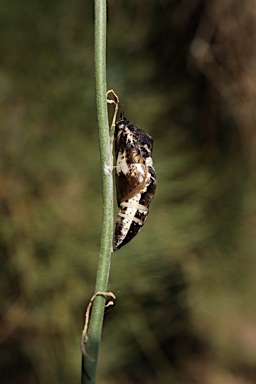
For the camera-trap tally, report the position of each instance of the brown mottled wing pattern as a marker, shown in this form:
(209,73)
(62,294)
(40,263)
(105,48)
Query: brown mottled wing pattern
(132,146)
(135,179)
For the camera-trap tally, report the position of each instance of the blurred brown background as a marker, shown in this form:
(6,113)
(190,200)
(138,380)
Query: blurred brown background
(185,71)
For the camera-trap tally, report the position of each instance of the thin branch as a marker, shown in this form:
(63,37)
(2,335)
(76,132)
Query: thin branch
(89,368)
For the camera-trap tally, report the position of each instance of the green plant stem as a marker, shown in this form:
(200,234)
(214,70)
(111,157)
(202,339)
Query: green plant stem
(96,319)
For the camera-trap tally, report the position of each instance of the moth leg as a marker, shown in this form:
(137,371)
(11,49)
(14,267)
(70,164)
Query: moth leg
(116,102)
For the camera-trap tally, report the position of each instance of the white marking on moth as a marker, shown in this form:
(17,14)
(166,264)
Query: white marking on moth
(129,137)
(121,163)
(135,219)
(138,172)
(149,162)
(132,204)
(135,170)
(128,216)
(140,169)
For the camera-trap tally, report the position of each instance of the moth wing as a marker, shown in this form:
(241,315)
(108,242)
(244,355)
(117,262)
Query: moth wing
(135,180)
(131,172)
(131,183)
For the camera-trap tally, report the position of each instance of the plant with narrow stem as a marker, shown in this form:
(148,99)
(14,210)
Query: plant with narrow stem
(89,366)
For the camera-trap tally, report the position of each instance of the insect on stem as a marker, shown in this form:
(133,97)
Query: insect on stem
(135,179)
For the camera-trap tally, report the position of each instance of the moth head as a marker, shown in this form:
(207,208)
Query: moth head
(122,117)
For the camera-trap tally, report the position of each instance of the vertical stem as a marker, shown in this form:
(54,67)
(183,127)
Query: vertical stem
(95,327)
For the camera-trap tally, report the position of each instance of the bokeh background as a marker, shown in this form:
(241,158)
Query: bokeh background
(185,71)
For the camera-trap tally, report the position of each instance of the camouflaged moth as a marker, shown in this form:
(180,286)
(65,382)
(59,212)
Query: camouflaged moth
(135,179)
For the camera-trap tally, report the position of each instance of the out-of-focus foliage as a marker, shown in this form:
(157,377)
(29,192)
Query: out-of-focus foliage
(185,72)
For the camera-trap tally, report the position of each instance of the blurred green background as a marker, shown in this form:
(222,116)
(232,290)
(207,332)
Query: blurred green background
(185,71)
